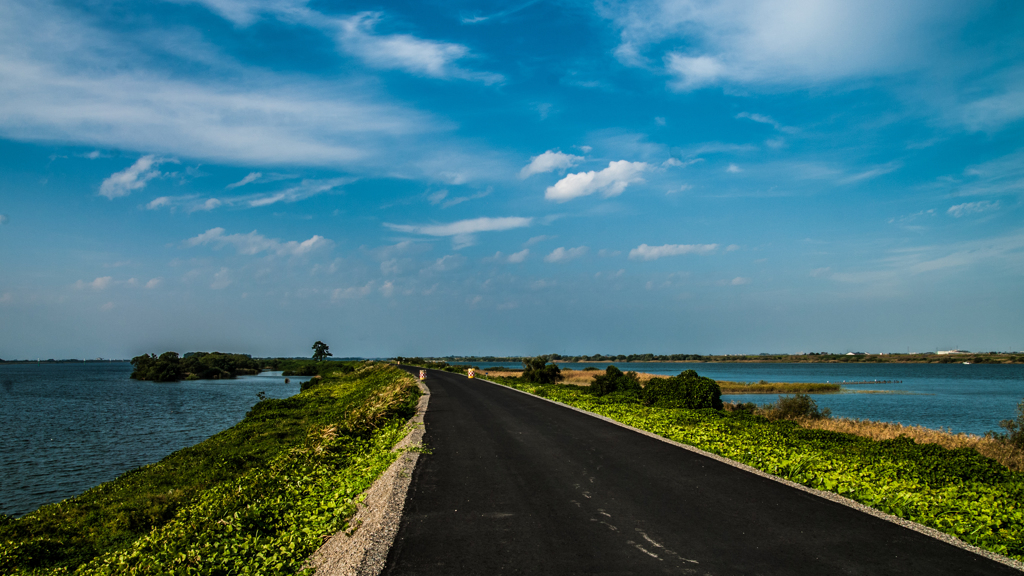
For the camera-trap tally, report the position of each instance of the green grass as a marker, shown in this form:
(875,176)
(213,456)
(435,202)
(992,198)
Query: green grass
(256,498)
(958,492)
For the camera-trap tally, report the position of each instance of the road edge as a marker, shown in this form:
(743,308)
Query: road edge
(831,496)
(363,549)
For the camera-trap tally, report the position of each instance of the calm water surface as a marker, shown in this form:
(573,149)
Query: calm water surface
(69,427)
(964,398)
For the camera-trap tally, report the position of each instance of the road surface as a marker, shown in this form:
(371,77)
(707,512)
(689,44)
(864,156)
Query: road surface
(517,485)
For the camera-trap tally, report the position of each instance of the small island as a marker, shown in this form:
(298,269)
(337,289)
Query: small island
(169,367)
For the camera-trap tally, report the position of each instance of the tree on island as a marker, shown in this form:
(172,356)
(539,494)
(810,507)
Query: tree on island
(320,351)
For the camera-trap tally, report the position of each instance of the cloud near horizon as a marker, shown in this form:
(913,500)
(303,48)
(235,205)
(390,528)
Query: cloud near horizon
(463,227)
(647,253)
(562,254)
(611,181)
(253,243)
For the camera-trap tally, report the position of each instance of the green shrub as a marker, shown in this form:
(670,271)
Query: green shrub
(687,390)
(539,371)
(614,381)
(1015,428)
(796,406)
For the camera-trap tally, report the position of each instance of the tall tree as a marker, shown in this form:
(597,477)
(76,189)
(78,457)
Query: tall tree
(320,351)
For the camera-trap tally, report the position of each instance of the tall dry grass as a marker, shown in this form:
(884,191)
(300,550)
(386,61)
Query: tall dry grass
(1002,452)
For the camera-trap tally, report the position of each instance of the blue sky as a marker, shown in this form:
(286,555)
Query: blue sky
(510,177)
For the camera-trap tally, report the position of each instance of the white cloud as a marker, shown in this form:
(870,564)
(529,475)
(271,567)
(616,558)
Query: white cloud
(108,307)
(222,279)
(549,162)
(132,178)
(463,227)
(6,298)
(610,182)
(405,52)
(739,281)
(101,283)
(352,292)
(733,169)
(387,289)
(873,172)
(249,179)
(773,42)
(535,239)
(159,202)
(518,256)
(646,253)
(762,119)
(561,254)
(153,283)
(445,263)
(3,218)
(971,208)
(437,197)
(732,248)
(254,243)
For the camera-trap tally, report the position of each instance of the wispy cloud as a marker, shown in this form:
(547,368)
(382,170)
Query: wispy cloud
(134,177)
(971,208)
(254,243)
(646,253)
(252,177)
(461,227)
(549,162)
(872,173)
(762,119)
(404,51)
(611,181)
(562,254)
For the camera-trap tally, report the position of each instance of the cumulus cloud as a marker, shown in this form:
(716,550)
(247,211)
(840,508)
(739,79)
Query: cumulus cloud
(101,283)
(971,208)
(562,254)
(405,52)
(549,162)
(518,257)
(611,181)
(445,264)
(646,253)
(254,243)
(734,169)
(739,281)
(249,179)
(132,178)
(463,227)
(153,283)
(351,292)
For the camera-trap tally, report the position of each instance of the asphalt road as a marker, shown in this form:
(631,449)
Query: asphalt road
(517,485)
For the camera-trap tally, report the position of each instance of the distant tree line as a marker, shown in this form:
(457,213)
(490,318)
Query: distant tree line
(169,367)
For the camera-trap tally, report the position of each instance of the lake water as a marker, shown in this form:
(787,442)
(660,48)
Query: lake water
(68,427)
(962,398)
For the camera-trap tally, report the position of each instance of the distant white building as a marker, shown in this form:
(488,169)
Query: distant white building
(942,352)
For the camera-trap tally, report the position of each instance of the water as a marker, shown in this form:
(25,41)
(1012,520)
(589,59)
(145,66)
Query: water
(962,398)
(68,427)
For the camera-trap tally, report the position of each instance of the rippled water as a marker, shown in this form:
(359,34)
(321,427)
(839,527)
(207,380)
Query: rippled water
(69,427)
(964,398)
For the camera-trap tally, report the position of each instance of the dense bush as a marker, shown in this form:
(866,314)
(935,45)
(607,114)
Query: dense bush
(168,367)
(539,371)
(687,390)
(615,381)
(796,406)
(1015,428)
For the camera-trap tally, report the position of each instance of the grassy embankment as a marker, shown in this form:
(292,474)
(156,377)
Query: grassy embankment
(259,497)
(956,491)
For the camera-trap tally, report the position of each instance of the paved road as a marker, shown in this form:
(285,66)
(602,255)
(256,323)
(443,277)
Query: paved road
(517,485)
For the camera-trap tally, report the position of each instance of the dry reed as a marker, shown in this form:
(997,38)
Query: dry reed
(1002,452)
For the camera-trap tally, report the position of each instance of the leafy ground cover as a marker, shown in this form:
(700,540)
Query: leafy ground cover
(957,491)
(258,498)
